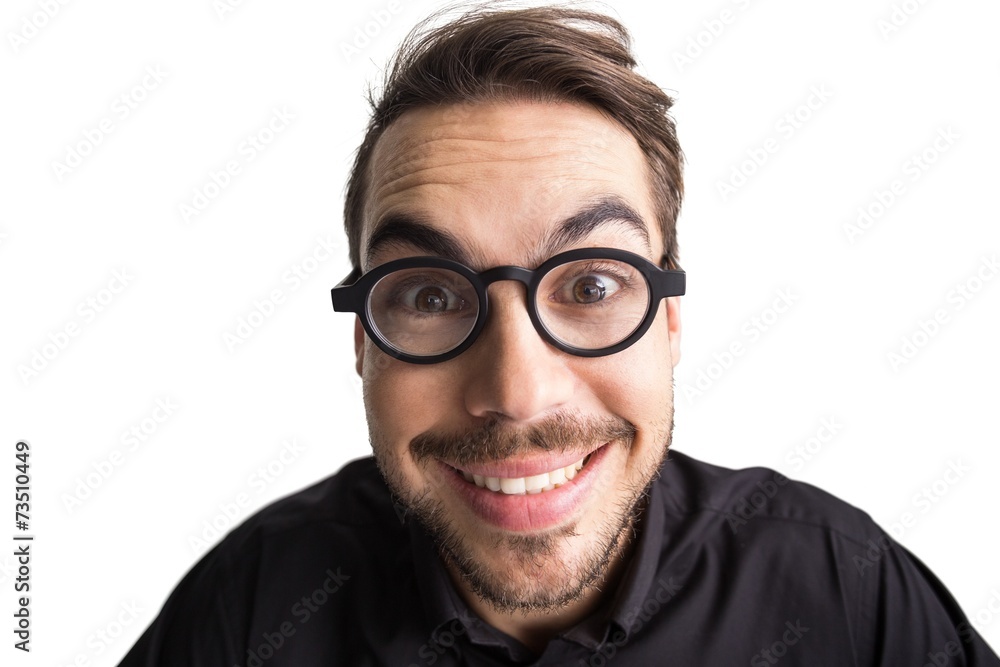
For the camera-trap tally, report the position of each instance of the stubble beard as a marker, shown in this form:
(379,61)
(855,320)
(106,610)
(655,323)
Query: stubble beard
(537,575)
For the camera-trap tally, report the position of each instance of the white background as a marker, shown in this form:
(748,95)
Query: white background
(162,337)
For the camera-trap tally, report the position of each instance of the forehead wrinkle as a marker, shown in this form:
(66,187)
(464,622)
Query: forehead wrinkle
(403,166)
(407,144)
(405,141)
(392,184)
(440,169)
(415,144)
(443,175)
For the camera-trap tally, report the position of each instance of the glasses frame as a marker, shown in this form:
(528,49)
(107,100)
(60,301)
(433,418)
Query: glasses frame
(353,293)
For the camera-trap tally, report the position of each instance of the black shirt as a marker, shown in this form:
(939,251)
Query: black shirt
(739,567)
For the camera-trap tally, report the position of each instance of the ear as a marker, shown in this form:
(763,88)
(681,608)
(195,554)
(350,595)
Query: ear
(359,345)
(674,327)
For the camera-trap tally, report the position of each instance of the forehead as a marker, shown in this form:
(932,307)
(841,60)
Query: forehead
(500,177)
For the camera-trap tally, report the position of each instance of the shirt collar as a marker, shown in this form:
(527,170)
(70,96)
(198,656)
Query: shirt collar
(639,578)
(442,604)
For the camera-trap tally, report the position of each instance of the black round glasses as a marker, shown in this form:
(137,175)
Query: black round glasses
(589,302)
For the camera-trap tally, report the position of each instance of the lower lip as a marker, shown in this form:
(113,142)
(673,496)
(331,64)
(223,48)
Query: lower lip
(528,512)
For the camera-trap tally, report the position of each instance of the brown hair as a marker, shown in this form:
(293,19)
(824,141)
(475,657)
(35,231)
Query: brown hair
(544,53)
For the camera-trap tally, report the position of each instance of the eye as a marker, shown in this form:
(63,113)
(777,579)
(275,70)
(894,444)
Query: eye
(431,299)
(593,284)
(422,294)
(589,288)
(428,299)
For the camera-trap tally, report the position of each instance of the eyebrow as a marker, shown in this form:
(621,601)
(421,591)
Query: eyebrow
(410,230)
(415,231)
(607,210)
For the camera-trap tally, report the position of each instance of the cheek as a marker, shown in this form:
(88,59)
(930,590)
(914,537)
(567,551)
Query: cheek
(637,383)
(402,400)
(656,362)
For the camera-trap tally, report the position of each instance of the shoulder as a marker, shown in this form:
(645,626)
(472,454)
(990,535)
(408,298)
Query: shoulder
(277,570)
(353,497)
(349,515)
(762,498)
(752,550)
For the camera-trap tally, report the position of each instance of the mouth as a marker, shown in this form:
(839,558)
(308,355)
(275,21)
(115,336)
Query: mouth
(529,484)
(528,496)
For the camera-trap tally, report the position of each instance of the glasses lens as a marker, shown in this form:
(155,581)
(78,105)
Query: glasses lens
(592,303)
(423,311)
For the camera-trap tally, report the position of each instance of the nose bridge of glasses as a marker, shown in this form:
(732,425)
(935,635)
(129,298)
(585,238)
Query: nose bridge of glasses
(507,273)
(499,273)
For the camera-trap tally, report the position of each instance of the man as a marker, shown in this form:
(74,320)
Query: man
(511,218)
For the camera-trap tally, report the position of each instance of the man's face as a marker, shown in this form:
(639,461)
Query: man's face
(495,185)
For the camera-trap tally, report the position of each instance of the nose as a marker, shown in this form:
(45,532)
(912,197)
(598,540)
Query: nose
(511,372)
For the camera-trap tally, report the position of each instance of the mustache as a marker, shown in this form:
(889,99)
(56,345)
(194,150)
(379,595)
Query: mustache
(496,441)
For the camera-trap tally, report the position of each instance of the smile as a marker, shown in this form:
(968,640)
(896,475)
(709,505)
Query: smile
(528,496)
(540,483)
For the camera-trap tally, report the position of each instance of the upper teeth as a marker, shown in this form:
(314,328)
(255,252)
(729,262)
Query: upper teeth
(522,485)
